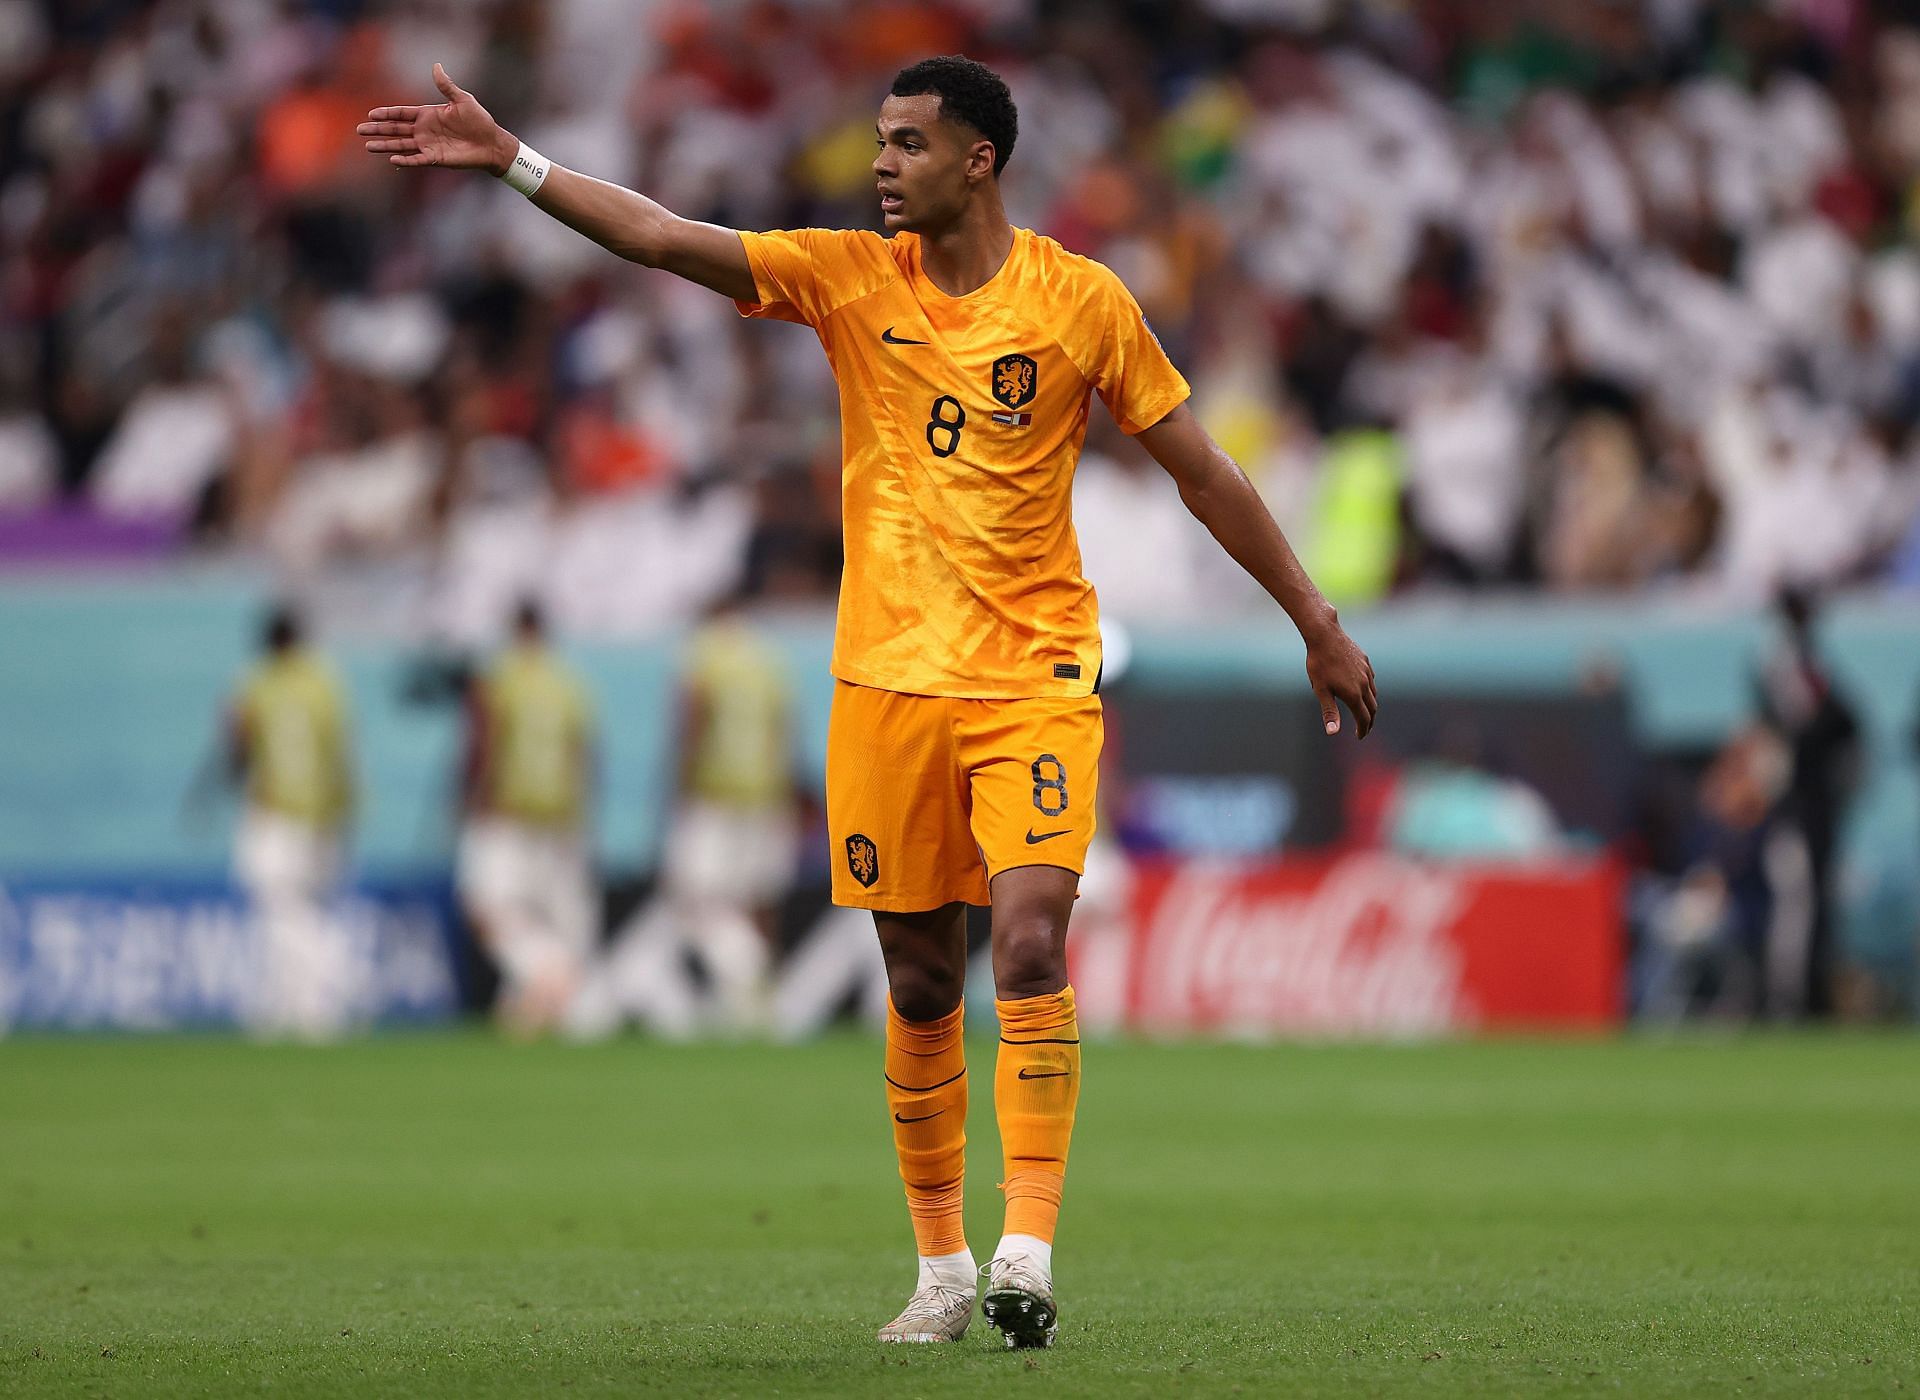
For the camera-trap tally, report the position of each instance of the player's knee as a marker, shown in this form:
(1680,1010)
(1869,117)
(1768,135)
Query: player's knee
(1029,958)
(924,993)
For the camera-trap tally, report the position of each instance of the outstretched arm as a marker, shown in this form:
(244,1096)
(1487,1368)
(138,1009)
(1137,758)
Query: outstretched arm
(462,135)
(1221,498)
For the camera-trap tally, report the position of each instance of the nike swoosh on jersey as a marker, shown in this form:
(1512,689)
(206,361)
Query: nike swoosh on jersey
(890,338)
(1033,840)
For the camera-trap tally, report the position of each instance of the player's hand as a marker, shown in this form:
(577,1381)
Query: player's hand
(1338,670)
(461,135)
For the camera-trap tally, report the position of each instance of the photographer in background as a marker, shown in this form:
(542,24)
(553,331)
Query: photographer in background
(1800,702)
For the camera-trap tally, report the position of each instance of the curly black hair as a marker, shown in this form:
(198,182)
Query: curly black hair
(970,93)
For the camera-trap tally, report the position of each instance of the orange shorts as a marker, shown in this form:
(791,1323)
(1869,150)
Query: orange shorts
(929,798)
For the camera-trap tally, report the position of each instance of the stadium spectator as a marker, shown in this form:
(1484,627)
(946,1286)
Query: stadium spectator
(29,455)
(175,438)
(525,869)
(1627,292)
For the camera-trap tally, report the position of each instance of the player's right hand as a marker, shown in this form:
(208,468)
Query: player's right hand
(461,135)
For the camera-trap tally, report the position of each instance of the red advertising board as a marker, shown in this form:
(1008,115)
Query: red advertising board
(1359,944)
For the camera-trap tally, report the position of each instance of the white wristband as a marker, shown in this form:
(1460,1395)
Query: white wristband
(528,171)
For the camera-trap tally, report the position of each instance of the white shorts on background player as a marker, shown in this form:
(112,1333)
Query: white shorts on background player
(534,888)
(308,979)
(731,855)
(280,857)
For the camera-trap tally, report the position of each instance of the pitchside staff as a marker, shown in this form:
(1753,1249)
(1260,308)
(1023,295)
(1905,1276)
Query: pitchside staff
(525,874)
(966,726)
(289,751)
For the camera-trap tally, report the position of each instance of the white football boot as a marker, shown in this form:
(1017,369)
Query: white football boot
(937,1312)
(942,1303)
(1019,1301)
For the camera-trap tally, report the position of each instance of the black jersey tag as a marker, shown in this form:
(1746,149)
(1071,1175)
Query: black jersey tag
(1066,670)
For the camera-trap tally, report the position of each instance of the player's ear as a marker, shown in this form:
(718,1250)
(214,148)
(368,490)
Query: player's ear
(980,160)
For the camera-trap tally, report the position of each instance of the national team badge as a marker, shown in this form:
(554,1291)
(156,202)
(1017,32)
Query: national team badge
(863,860)
(1015,380)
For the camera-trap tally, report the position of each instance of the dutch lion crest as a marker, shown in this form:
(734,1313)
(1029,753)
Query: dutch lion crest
(863,860)
(1015,380)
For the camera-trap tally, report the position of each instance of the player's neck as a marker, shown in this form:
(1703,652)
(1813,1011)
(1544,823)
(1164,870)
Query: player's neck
(964,256)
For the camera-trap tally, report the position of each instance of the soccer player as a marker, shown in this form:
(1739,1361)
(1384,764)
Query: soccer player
(734,841)
(966,724)
(525,877)
(288,747)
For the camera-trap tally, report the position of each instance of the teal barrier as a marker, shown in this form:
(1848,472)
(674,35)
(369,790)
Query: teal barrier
(110,688)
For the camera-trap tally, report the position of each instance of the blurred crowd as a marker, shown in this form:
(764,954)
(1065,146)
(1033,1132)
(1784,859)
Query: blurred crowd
(1572,295)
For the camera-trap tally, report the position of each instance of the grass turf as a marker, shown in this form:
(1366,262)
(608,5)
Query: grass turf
(448,1215)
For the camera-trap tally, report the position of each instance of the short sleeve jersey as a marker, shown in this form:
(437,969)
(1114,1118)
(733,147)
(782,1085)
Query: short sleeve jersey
(961,421)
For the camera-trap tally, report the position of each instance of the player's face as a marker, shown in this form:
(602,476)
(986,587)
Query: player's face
(926,167)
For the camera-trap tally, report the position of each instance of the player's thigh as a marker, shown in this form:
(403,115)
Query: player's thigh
(1034,770)
(569,901)
(490,871)
(737,855)
(700,854)
(266,854)
(897,804)
(769,854)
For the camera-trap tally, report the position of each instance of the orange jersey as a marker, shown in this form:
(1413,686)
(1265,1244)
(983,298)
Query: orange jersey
(961,420)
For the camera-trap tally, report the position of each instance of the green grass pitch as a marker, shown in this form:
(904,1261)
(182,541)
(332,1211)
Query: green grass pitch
(446,1215)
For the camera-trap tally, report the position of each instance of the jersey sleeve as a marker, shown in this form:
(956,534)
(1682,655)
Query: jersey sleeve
(1131,372)
(802,274)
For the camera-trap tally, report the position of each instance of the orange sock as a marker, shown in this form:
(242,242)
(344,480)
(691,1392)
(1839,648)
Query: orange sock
(1036,1087)
(927,1091)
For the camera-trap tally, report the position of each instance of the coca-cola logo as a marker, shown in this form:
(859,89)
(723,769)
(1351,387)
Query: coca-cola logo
(1367,948)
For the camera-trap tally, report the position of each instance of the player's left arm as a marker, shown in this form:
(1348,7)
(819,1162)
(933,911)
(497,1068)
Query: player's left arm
(236,744)
(692,729)
(1220,497)
(223,767)
(476,762)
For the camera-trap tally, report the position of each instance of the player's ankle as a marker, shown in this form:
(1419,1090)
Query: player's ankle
(1030,1249)
(949,1270)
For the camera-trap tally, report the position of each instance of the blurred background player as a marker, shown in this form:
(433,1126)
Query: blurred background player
(1806,706)
(525,874)
(288,749)
(732,842)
